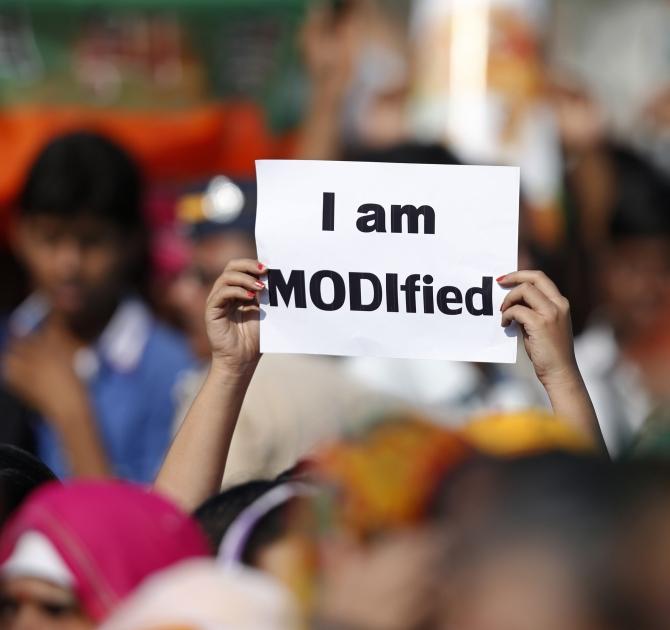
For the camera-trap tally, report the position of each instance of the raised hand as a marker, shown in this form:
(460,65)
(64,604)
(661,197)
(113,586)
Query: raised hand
(232,315)
(543,315)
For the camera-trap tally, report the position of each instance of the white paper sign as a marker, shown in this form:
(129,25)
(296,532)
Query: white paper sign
(386,260)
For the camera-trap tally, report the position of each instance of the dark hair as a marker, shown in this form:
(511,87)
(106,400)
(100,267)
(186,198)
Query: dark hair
(83,173)
(404,153)
(272,527)
(20,474)
(218,513)
(571,505)
(642,204)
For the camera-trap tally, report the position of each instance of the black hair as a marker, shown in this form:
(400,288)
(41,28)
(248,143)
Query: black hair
(642,203)
(272,527)
(20,474)
(217,514)
(83,173)
(404,153)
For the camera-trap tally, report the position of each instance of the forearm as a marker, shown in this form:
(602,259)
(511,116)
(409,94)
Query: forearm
(320,133)
(194,466)
(570,401)
(83,447)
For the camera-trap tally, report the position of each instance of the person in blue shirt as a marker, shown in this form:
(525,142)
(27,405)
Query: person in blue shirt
(83,351)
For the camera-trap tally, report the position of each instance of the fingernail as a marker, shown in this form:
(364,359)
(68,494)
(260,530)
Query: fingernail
(251,293)
(261,267)
(260,285)
(501,278)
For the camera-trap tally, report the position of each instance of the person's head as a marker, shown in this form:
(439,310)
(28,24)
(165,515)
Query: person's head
(404,153)
(219,224)
(643,563)
(80,225)
(219,512)
(252,524)
(635,269)
(20,474)
(531,543)
(74,551)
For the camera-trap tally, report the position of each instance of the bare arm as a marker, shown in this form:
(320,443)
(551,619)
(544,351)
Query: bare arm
(329,48)
(83,446)
(543,315)
(39,370)
(194,466)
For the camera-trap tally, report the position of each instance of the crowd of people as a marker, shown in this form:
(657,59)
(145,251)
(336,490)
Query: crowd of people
(158,473)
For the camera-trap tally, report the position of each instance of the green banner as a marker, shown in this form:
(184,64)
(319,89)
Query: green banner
(153,54)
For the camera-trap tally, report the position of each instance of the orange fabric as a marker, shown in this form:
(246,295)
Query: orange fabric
(388,476)
(168,145)
(514,434)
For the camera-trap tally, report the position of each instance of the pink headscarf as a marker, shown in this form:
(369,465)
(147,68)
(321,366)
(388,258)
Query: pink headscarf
(111,535)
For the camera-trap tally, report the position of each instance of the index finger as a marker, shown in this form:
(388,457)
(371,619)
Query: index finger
(537,278)
(246,265)
(243,265)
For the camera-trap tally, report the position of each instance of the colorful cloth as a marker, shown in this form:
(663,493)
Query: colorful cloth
(523,433)
(389,476)
(110,535)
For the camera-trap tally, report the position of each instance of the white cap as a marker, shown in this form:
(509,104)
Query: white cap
(35,557)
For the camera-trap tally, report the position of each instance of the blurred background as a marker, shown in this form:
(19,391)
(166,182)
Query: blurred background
(576,92)
(128,135)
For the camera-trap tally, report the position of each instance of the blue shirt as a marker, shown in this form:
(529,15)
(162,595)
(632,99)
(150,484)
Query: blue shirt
(132,373)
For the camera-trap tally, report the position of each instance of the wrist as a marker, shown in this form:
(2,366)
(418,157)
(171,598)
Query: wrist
(231,371)
(563,378)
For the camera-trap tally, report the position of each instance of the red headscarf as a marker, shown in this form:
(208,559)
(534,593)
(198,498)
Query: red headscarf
(111,535)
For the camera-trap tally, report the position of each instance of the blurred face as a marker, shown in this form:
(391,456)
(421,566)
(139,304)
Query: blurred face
(515,588)
(188,294)
(645,570)
(636,284)
(30,604)
(77,263)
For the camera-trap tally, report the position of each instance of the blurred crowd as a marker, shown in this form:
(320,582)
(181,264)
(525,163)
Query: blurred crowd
(155,475)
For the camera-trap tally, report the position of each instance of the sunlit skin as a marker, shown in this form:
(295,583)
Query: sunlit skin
(78,264)
(31,604)
(188,294)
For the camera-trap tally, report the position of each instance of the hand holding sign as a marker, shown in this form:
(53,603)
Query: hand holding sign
(535,303)
(232,316)
(543,314)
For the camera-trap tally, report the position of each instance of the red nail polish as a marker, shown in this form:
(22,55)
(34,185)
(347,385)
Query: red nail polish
(260,285)
(501,278)
(251,294)
(261,267)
